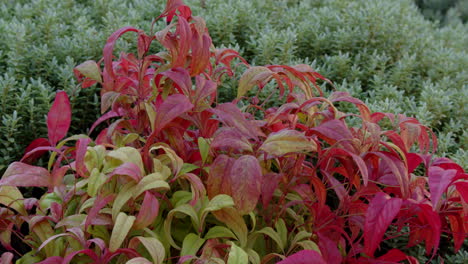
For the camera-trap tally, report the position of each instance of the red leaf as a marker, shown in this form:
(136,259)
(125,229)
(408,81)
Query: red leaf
(218,181)
(109,48)
(81,147)
(200,52)
(459,232)
(172,6)
(148,211)
(103,118)
(333,131)
(269,185)
(246,180)
(231,116)
(345,97)
(304,257)
(432,232)
(59,118)
(23,175)
(439,180)
(382,209)
(180,77)
(98,205)
(228,138)
(172,107)
(462,188)
(40,142)
(395,256)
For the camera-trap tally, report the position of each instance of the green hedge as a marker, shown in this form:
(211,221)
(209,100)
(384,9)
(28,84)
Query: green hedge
(384,52)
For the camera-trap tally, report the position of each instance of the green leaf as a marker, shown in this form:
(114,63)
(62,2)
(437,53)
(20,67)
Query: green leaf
(48,199)
(237,255)
(307,244)
(254,257)
(191,245)
(122,198)
(282,231)
(95,181)
(149,183)
(183,209)
(122,225)
(219,231)
(204,148)
(273,235)
(218,202)
(300,236)
(188,167)
(154,247)
(125,154)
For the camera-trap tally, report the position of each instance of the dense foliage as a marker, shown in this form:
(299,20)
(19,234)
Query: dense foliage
(172,175)
(384,53)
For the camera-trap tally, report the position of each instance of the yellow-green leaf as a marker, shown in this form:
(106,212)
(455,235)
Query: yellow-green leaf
(237,255)
(154,247)
(11,197)
(191,245)
(204,148)
(287,141)
(122,225)
(252,77)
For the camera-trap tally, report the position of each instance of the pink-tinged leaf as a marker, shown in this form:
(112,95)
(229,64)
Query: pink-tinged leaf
(148,211)
(51,260)
(439,180)
(103,118)
(7,258)
(341,153)
(180,77)
(246,180)
(231,139)
(57,175)
(204,88)
(329,249)
(40,142)
(98,205)
(59,118)
(333,131)
(380,213)
(287,141)
(81,147)
(129,169)
(218,181)
(39,149)
(98,242)
(108,99)
(184,40)
(200,53)
(231,116)
(23,175)
(304,257)
(345,97)
(174,106)
(269,185)
(109,48)
(197,187)
(88,252)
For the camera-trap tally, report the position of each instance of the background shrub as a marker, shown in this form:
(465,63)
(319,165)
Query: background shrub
(383,52)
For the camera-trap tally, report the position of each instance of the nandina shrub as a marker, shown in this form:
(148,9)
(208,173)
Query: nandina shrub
(175,177)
